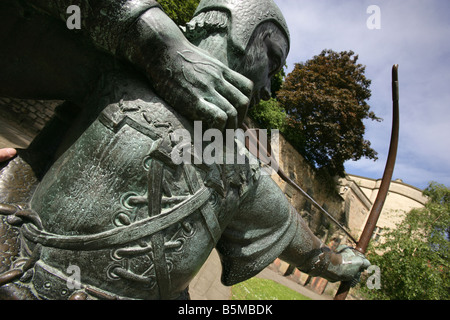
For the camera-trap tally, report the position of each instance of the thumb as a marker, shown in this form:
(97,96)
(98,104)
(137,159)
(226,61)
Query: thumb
(7,153)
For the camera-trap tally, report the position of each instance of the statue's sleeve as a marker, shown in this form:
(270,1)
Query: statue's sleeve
(262,229)
(104,21)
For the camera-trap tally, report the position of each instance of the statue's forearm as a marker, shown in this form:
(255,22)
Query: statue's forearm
(153,40)
(309,254)
(104,21)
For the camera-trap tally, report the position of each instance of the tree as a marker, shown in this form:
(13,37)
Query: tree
(325,99)
(414,257)
(269,115)
(179,11)
(277,82)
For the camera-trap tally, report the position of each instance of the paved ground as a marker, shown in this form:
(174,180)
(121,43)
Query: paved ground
(11,136)
(207,285)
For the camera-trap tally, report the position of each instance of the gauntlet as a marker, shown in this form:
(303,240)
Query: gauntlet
(346,264)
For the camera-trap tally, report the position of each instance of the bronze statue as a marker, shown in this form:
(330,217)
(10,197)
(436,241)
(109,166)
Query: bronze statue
(112,203)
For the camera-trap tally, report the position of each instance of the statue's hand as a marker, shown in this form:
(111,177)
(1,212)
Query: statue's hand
(195,84)
(350,269)
(202,88)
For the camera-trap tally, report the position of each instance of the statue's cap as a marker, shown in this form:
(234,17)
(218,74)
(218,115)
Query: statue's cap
(246,16)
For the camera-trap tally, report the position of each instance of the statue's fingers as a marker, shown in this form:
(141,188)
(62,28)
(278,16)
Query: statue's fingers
(238,101)
(362,259)
(366,264)
(6,209)
(231,113)
(356,279)
(244,85)
(211,114)
(362,262)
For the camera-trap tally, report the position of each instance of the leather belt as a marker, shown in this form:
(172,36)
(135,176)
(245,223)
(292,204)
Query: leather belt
(122,235)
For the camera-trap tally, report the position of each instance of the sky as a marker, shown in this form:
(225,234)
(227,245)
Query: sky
(415,34)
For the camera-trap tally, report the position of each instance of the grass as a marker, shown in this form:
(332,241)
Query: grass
(263,289)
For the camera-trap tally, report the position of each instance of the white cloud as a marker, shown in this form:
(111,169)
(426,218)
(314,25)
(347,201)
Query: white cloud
(414,34)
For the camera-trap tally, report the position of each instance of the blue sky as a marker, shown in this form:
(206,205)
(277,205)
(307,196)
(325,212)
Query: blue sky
(414,34)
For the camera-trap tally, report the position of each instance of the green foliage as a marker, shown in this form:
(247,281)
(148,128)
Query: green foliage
(269,114)
(414,258)
(277,82)
(179,11)
(262,289)
(325,99)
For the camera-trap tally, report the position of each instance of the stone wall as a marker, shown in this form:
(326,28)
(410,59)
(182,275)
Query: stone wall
(357,206)
(360,193)
(30,115)
(321,188)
